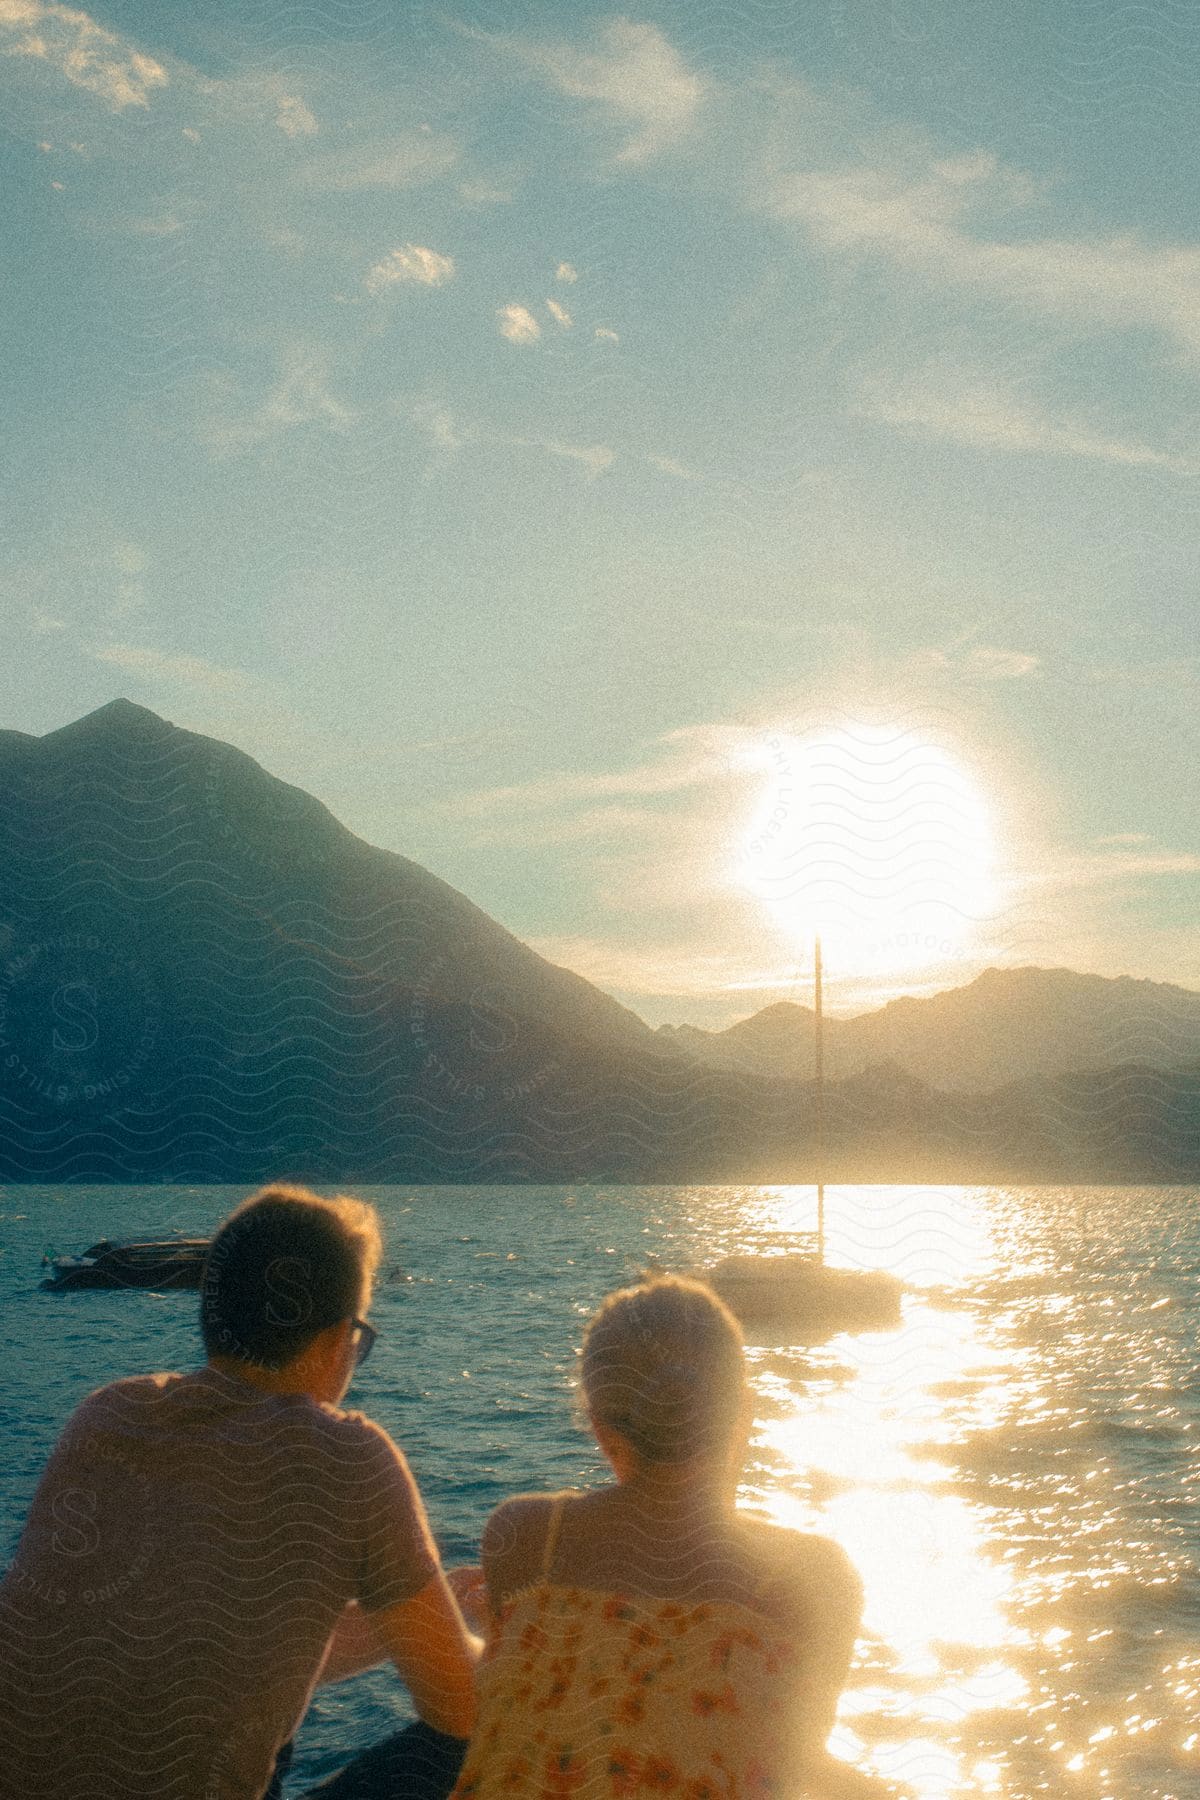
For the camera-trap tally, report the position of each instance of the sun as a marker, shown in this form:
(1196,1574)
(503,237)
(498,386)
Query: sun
(877,840)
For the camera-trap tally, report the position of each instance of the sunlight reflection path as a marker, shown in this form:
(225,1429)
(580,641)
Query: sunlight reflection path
(847,1444)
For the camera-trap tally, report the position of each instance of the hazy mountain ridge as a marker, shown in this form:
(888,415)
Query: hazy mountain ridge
(204,976)
(1006,1025)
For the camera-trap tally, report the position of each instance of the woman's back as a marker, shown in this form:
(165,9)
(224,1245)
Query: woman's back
(637,1646)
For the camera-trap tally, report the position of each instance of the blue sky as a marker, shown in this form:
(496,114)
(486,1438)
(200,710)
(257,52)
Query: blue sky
(532,429)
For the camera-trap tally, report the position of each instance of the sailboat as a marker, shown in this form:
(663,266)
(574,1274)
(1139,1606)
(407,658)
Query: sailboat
(800,1298)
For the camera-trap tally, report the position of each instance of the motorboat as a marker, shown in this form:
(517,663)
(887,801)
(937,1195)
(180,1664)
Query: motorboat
(169,1263)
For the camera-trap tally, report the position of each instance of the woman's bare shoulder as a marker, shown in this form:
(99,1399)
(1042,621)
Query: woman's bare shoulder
(807,1571)
(514,1539)
(516,1521)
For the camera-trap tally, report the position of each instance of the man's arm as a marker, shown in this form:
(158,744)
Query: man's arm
(356,1645)
(435,1654)
(353,1647)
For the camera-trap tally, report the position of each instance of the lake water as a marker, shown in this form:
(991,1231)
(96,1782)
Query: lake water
(1015,1471)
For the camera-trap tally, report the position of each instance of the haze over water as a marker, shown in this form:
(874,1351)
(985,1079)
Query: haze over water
(1013,1471)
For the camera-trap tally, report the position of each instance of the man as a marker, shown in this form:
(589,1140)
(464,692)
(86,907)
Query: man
(203,1548)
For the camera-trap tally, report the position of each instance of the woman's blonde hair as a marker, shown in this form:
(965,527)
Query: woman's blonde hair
(662,1365)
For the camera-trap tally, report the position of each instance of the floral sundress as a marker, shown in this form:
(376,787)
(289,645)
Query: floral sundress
(587,1695)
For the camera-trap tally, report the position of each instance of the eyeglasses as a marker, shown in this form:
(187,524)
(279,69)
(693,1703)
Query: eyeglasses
(365,1336)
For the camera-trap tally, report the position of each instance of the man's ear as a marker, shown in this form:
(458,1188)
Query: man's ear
(324,1355)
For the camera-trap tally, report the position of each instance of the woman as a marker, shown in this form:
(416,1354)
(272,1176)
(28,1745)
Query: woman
(645,1636)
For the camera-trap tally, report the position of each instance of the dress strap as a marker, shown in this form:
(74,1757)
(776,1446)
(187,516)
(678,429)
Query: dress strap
(552,1529)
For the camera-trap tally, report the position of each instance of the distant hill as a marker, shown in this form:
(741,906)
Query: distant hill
(1007,1025)
(205,977)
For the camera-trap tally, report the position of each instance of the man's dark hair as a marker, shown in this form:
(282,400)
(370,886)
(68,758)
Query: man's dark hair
(283,1267)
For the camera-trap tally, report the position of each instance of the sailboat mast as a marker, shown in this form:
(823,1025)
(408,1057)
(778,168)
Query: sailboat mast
(819,1110)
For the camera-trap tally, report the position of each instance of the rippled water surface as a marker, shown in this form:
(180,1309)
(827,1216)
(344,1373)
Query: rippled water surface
(1014,1471)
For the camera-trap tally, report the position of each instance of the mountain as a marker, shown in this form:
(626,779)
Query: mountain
(205,977)
(1007,1025)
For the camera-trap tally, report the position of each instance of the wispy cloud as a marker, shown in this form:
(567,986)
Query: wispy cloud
(606,334)
(560,314)
(670,970)
(301,395)
(517,324)
(294,118)
(595,458)
(447,432)
(668,465)
(690,757)
(984,415)
(178,670)
(1125,857)
(632,72)
(566,272)
(916,209)
(981,662)
(84,53)
(409,263)
(398,162)
(484,193)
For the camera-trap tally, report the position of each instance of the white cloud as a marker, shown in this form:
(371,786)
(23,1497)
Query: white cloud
(517,324)
(596,458)
(159,665)
(670,466)
(560,313)
(634,73)
(984,662)
(911,208)
(1114,863)
(129,558)
(410,263)
(673,971)
(85,53)
(484,193)
(300,396)
(984,415)
(399,162)
(692,757)
(566,272)
(993,664)
(294,118)
(608,336)
(447,432)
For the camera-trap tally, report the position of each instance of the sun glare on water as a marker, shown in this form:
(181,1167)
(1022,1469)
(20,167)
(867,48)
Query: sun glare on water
(874,838)
(870,1416)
